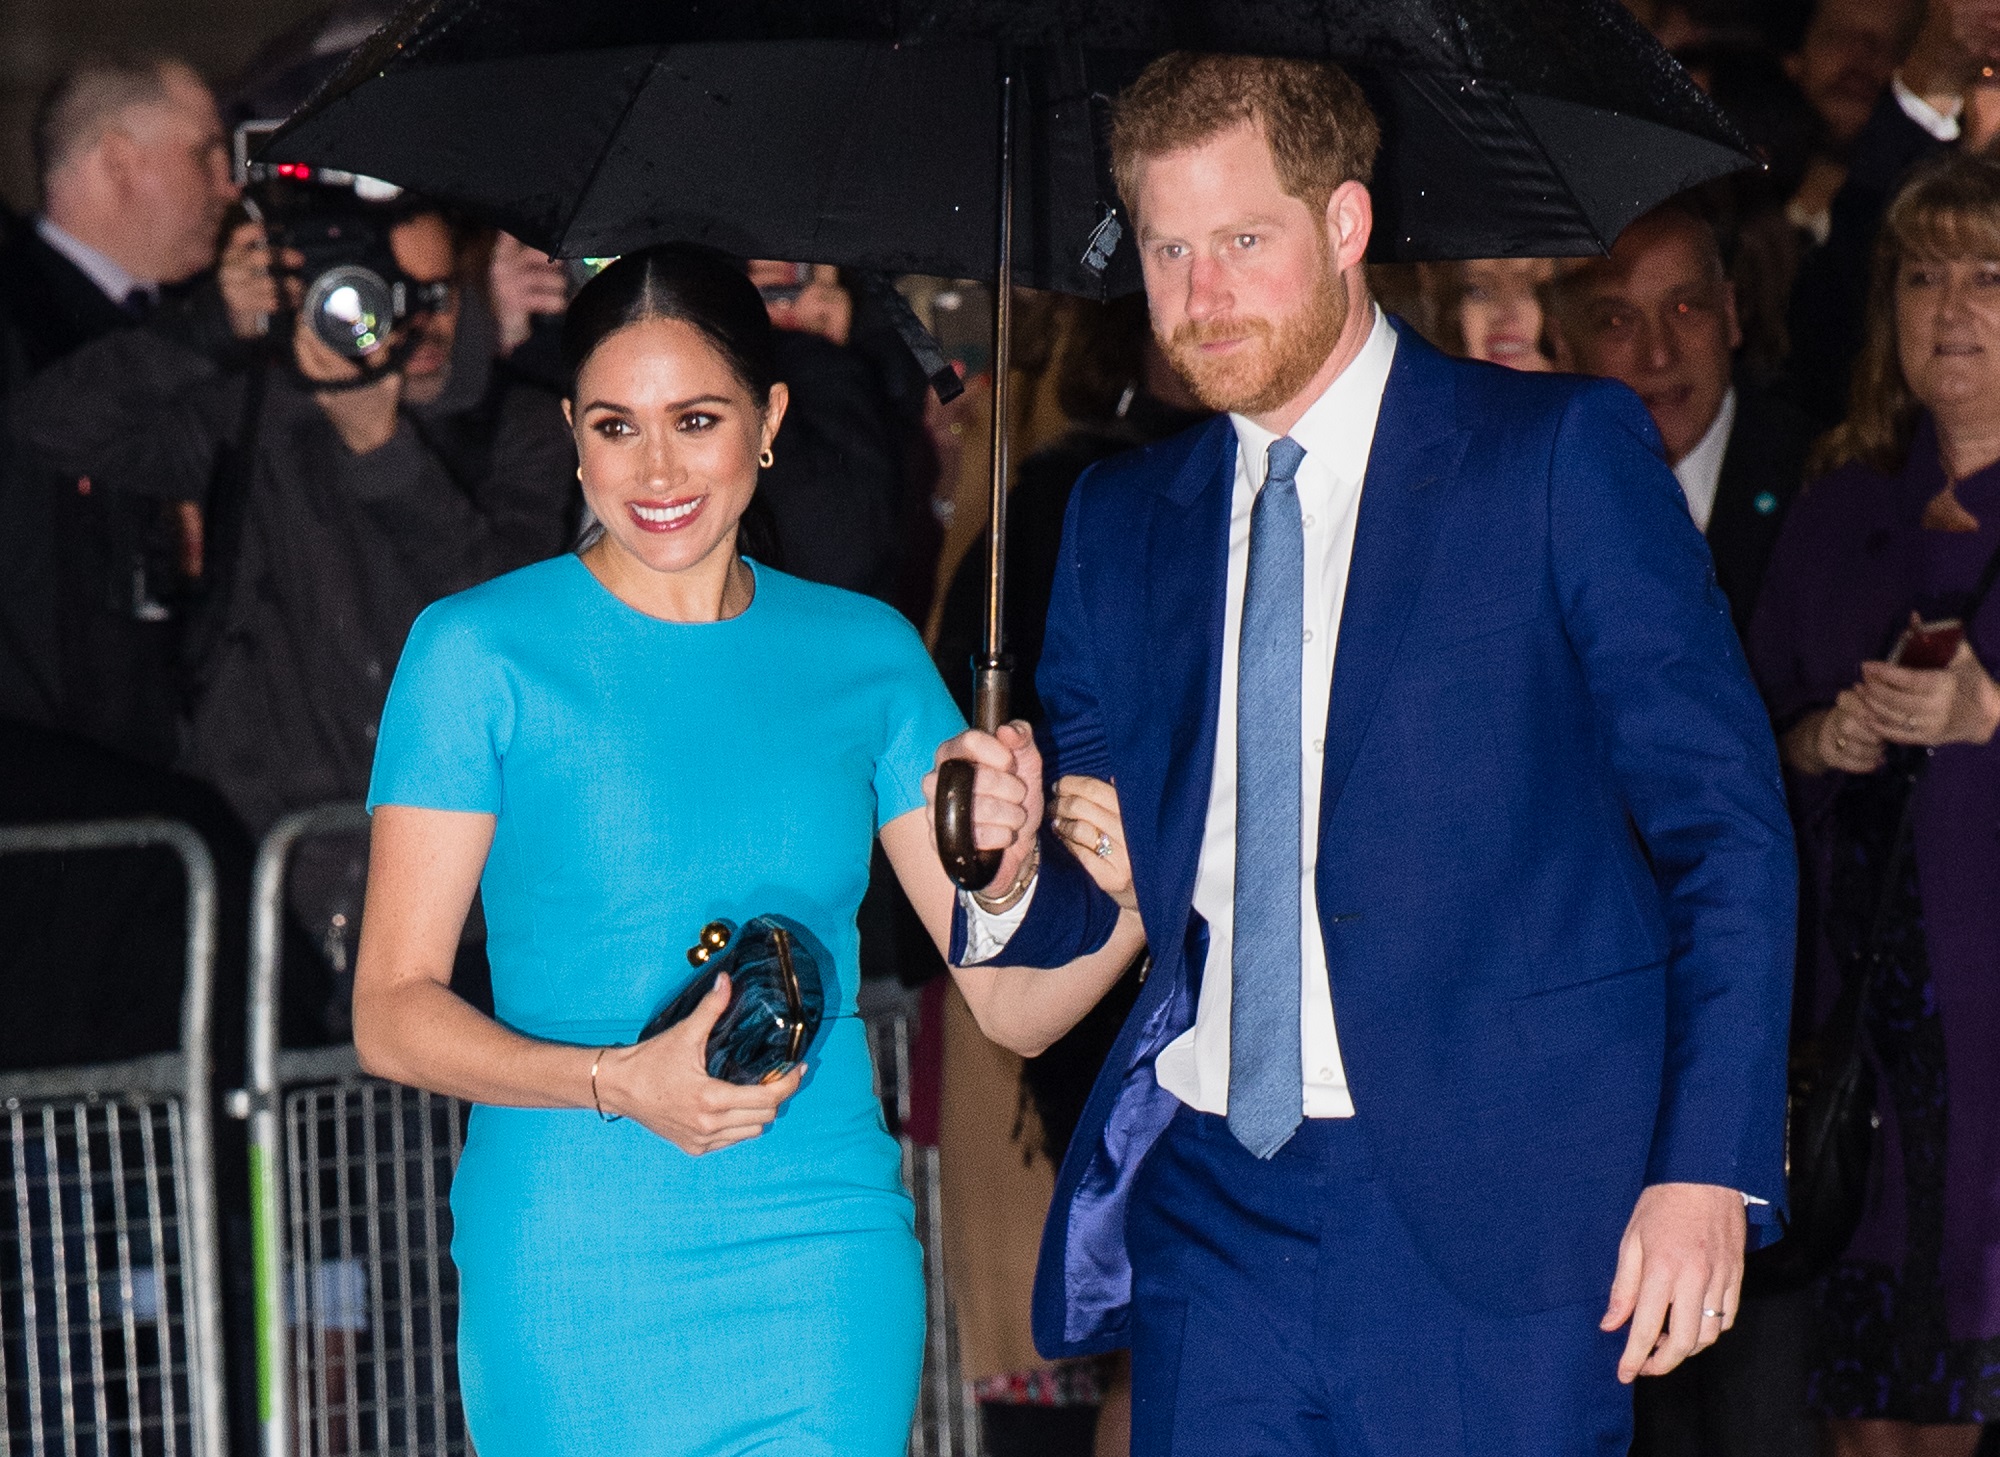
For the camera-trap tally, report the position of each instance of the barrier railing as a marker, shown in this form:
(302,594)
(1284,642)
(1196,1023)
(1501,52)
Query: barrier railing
(947,1420)
(110,1265)
(357,1298)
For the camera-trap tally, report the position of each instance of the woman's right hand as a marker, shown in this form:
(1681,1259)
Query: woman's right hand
(663,1084)
(1088,821)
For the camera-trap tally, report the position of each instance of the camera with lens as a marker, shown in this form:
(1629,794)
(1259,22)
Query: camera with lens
(335,226)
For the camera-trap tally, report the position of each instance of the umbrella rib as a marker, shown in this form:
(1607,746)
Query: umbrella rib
(1575,202)
(611,140)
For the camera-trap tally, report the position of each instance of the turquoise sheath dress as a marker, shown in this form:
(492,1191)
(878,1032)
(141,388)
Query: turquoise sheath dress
(618,1296)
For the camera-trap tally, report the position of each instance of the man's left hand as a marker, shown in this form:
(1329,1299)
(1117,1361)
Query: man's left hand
(1680,1260)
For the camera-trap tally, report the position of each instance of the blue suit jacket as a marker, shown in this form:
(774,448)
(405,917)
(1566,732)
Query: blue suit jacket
(1556,876)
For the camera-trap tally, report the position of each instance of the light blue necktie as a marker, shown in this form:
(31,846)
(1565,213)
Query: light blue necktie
(1266,1083)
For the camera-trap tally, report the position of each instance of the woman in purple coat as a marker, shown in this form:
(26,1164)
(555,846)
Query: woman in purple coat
(1907,522)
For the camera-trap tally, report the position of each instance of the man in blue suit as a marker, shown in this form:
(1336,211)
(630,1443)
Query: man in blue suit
(1456,829)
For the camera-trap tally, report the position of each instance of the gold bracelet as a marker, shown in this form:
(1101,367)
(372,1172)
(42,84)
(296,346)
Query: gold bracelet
(1011,897)
(597,1101)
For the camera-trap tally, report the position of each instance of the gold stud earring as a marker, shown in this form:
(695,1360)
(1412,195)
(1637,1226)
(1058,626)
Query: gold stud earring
(766,459)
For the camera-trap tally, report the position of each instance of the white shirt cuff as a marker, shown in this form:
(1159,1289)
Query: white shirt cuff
(988,932)
(1749,1199)
(1937,123)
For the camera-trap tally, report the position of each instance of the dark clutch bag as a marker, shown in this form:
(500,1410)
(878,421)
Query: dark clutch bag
(777,998)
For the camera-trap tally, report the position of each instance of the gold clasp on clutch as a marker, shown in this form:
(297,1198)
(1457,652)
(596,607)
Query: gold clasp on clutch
(714,936)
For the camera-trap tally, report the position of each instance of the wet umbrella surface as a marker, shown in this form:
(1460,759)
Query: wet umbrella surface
(864,134)
(969,138)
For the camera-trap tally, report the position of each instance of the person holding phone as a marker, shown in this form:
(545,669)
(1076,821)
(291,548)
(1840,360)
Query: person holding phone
(1872,639)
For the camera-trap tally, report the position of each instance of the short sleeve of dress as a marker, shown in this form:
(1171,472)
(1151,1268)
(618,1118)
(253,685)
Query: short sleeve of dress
(918,716)
(448,719)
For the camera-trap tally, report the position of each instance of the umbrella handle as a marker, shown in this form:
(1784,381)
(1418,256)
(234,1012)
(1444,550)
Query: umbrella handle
(969,866)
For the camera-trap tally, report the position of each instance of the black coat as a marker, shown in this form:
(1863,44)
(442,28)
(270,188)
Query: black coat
(90,575)
(1830,299)
(1762,470)
(831,495)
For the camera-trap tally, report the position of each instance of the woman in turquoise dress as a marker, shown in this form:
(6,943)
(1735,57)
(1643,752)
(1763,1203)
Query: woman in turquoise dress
(617,747)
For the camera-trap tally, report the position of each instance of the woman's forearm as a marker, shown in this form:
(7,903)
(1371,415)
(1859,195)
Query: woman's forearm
(1026,1009)
(423,1034)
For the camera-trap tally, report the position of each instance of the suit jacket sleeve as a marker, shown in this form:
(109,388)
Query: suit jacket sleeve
(1690,747)
(1069,916)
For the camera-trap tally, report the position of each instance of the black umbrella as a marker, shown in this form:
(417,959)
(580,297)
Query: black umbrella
(870,133)
(862,133)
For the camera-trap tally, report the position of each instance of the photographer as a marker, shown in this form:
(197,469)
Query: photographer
(342,491)
(132,170)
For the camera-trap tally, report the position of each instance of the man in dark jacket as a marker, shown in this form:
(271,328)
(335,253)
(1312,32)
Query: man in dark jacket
(1658,315)
(134,175)
(339,503)
(1942,96)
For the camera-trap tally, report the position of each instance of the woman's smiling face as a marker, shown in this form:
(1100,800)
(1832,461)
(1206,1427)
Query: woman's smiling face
(1948,332)
(668,438)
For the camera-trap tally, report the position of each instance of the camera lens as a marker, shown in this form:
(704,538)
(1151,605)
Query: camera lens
(352,309)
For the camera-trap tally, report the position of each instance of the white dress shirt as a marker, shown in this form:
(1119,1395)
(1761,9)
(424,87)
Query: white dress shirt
(1942,125)
(1700,470)
(112,279)
(1336,432)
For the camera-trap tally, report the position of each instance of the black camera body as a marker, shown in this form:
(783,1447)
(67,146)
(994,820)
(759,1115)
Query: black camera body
(352,292)
(350,287)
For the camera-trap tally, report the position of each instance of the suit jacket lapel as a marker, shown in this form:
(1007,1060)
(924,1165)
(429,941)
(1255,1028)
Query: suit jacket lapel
(1417,449)
(1189,576)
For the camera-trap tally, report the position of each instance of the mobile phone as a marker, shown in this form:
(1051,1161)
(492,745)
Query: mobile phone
(1928,644)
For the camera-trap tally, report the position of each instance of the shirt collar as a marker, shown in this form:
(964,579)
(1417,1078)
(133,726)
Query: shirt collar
(1700,470)
(1943,125)
(111,279)
(1338,428)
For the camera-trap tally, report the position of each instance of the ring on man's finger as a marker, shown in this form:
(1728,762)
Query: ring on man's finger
(1711,1314)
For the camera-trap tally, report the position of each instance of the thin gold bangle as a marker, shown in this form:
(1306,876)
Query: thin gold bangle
(1011,897)
(595,1100)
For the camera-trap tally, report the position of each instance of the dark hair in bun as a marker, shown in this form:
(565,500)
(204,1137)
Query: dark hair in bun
(685,281)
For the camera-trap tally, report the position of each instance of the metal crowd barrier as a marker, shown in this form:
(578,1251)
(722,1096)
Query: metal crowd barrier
(110,1265)
(357,1298)
(947,1419)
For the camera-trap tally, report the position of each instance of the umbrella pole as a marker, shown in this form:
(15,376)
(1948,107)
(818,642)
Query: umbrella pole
(967,864)
(991,681)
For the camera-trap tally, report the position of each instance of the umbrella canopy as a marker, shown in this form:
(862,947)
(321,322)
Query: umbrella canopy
(870,133)
(862,132)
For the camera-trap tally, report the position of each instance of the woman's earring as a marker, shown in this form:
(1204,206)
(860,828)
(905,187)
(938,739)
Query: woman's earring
(766,459)
(579,475)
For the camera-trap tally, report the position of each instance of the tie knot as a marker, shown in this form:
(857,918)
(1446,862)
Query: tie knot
(1281,461)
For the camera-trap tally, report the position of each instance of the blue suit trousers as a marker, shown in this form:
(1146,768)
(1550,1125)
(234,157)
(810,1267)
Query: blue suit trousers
(1281,1309)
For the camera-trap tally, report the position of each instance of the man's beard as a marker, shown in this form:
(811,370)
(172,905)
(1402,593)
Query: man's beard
(1277,360)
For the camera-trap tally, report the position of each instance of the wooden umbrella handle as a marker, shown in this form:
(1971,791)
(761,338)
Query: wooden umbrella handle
(969,867)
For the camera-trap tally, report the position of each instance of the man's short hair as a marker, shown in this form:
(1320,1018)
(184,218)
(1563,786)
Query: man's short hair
(88,99)
(1576,277)
(1319,126)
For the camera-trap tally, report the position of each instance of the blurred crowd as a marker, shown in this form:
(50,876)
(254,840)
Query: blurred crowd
(217,525)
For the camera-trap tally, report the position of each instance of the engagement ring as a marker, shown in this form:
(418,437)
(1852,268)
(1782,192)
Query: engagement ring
(1103,846)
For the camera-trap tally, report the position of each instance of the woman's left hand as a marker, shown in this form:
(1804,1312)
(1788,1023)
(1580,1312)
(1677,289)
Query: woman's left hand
(1956,704)
(1088,821)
